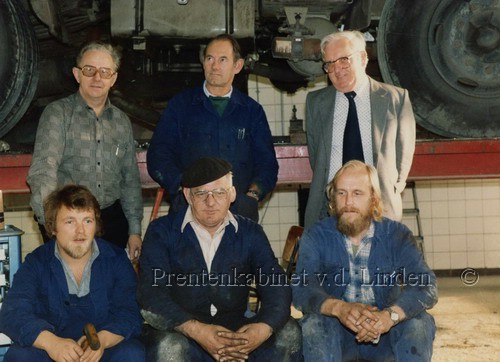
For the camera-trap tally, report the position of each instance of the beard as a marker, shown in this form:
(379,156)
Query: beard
(77,251)
(357,225)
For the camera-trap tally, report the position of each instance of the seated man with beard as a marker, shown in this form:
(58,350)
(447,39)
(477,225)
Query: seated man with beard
(365,286)
(72,280)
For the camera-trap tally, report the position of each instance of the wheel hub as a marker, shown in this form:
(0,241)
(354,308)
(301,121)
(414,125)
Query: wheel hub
(465,48)
(488,38)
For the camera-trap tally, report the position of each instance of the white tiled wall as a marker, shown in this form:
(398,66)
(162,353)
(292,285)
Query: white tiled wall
(460,219)
(460,222)
(278,105)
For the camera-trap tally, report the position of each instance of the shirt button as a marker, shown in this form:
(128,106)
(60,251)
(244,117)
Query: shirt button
(98,164)
(99,185)
(98,141)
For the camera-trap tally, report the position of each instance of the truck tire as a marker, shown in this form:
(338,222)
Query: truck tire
(18,63)
(447,54)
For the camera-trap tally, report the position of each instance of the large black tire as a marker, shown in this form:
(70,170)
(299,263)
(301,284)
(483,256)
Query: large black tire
(18,63)
(447,54)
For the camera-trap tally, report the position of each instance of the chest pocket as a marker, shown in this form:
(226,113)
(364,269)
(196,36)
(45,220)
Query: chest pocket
(240,144)
(113,153)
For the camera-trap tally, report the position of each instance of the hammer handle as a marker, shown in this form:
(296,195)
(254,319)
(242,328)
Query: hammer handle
(92,339)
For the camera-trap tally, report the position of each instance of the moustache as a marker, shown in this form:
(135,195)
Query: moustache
(348,209)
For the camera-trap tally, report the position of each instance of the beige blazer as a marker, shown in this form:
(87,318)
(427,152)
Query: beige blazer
(393,143)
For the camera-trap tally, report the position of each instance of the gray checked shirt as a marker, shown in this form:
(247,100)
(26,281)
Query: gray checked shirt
(73,145)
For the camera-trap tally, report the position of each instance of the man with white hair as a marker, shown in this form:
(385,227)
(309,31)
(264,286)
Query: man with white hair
(357,117)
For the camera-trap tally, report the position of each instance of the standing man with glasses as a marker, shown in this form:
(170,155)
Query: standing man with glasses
(216,120)
(197,266)
(357,118)
(84,139)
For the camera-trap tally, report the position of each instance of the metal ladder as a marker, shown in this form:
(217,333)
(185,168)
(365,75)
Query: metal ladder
(415,211)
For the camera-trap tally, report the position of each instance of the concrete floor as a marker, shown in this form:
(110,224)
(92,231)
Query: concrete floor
(467,319)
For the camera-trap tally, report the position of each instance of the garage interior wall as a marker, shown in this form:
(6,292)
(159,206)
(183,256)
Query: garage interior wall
(460,218)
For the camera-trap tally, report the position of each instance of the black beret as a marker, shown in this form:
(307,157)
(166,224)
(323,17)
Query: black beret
(205,170)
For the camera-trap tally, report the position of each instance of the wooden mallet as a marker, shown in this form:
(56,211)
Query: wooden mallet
(92,339)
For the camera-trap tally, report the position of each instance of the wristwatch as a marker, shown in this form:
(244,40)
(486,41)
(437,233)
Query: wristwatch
(394,316)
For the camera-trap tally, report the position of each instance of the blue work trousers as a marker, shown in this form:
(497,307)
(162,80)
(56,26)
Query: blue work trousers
(325,339)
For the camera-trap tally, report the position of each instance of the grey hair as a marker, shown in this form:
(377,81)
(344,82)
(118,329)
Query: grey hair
(355,37)
(105,47)
(229,177)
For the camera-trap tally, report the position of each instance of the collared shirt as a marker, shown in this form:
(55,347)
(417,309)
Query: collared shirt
(359,289)
(208,94)
(362,101)
(219,102)
(82,289)
(208,244)
(74,145)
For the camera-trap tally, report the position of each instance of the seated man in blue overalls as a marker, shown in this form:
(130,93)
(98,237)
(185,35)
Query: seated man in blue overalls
(73,280)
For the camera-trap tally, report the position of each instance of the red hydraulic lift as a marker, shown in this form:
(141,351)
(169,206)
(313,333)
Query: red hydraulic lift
(433,160)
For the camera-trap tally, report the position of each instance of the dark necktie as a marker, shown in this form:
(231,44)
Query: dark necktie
(352,148)
(219,104)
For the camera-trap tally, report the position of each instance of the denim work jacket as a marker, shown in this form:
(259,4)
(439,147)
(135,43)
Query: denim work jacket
(39,298)
(191,128)
(396,271)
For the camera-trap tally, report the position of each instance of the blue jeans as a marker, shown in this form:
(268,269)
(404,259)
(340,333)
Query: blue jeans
(131,350)
(284,346)
(326,339)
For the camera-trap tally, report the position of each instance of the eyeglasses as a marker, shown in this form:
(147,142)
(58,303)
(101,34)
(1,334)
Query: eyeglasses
(90,71)
(344,62)
(218,194)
